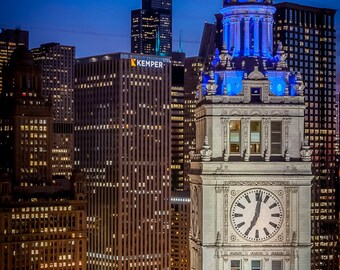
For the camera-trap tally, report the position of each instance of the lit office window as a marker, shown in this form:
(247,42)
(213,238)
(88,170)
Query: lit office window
(234,137)
(255,137)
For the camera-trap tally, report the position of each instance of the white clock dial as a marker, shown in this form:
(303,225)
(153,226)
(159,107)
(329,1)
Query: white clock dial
(256,214)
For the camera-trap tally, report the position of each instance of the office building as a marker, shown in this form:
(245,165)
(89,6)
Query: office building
(25,122)
(308,37)
(42,220)
(177,120)
(180,226)
(193,72)
(123,145)
(250,177)
(151,28)
(43,226)
(57,66)
(10,39)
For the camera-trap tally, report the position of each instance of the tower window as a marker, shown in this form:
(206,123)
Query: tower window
(256,265)
(235,265)
(234,137)
(276,137)
(277,265)
(255,137)
(255,94)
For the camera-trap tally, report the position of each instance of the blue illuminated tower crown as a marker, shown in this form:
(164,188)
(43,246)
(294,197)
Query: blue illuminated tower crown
(248,27)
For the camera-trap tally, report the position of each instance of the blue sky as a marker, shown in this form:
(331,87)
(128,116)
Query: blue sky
(103,26)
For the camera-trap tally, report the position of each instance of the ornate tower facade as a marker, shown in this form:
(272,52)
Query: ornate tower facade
(250,176)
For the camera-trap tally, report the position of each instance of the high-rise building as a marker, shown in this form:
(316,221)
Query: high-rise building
(123,145)
(57,66)
(193,72)
(308,37)
(250,177)
(151,28)
(10,39)
(180,226)
(25,122)
(43,226)
(177,120)
(42,220)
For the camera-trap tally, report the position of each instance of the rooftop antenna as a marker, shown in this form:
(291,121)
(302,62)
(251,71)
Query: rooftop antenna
(181,41)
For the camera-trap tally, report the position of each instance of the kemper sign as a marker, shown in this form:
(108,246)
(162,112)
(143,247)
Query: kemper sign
(146,63)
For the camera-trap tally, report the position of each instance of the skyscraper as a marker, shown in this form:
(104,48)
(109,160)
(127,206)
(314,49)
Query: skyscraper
(122,142)
(250,177)
(10,39)
(57,66)
(25,122)
(151,28)
(42,220)
(308,37)
(177,120)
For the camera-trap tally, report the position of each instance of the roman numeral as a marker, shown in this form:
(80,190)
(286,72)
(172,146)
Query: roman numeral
(238,215)
(240,225)
(273,205)
(240,205)
(265,231)
(247,198)
(266,199)
(276,215)
(273,224)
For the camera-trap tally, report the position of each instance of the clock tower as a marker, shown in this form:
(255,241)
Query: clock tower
(250,177)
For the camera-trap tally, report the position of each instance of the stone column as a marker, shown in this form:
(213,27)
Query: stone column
(270,34)
(225,121)
(245,144)
(238,36)
(264,37)
(246,36)
(256,36)
(285,127)
(232,33)
(226,33)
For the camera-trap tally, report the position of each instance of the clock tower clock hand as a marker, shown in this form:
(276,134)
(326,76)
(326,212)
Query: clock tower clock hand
(257,213)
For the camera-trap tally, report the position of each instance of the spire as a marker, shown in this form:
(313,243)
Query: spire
(181,41)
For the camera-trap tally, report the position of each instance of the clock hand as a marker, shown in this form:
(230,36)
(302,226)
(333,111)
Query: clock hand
(257,213)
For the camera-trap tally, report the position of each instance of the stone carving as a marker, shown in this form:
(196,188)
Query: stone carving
(218,239)
(258,183)
(206,153)
(305,151)
(211,86)
(219,189)
(281,57)
(222,168)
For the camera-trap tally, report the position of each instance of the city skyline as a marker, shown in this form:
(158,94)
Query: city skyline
(93,27)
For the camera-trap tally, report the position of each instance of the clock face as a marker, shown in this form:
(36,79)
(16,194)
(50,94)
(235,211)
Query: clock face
(256,214)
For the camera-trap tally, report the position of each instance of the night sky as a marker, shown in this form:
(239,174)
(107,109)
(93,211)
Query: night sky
(103,26)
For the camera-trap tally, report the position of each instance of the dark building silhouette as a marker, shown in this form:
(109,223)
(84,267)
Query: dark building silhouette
(308,37)
(42,219)
(10,39)
(57,66)
(123,144)
(25,122)
(151,28)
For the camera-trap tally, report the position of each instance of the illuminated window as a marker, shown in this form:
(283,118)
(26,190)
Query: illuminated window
(255,137)
(234,137)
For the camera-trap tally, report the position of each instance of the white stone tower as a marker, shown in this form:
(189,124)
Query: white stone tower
(251,175)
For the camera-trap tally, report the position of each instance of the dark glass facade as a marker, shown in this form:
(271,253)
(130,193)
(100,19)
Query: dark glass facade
(151,28)
(308,37)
